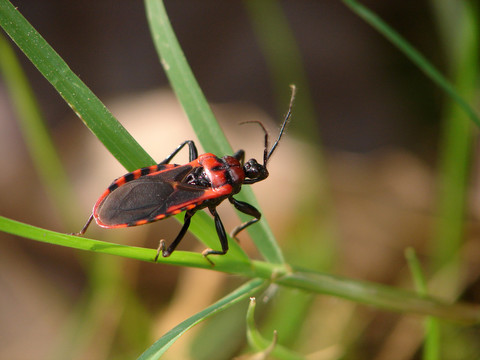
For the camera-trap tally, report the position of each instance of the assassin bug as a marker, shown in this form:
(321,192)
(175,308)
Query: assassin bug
(156,192)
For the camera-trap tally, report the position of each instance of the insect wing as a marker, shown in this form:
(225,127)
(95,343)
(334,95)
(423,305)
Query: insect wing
(147,198)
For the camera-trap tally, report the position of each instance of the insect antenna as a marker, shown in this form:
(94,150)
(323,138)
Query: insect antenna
(266,153)
(265,149)
(266,156)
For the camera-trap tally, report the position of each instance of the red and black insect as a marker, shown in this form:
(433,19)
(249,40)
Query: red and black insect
(156,192)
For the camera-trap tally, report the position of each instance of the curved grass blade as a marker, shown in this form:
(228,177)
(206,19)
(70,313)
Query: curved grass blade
(181,258)
(314,282)
(261,345)
(409,51)
(200,115)
(162,344)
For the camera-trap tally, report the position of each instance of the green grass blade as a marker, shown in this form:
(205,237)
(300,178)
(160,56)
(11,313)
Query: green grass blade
(183,82)
(162,344)
(285,64)
(182,258)
(40,146)
(255,339)
(261,345)
(431,349)
(409,51)
(78,96)
(457,142)
(380,296)
(198,111)
(314,282)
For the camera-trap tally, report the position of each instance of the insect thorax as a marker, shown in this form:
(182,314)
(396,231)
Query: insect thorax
(198,177)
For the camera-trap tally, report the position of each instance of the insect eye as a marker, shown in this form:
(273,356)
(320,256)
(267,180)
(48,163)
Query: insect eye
(254,170)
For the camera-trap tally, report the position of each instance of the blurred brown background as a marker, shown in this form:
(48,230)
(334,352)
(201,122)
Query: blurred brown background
(378,120)
(366,94)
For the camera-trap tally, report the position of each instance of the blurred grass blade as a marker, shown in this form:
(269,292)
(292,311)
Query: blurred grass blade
(162,344)
(431,348)
(255,339)
(457,142)
(199,113)
(285,64)
(261,345)
(416,271)
(78,96)
(380,296)
(417,58)
(37,139)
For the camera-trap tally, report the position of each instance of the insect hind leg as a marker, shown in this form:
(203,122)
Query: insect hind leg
(167,252)
(85,227)
(192,152)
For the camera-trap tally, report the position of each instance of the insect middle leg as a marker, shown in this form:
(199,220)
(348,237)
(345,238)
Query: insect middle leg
(192,152)
(245,208)
(167,252)
(222,235)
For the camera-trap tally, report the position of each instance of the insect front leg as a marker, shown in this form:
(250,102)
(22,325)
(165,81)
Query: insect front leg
(192,152)
(167,252)
(240,156)
(222,235)
(245,208)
